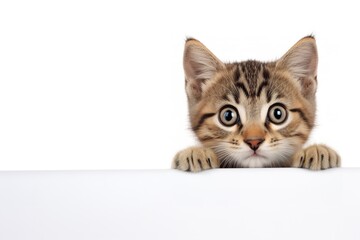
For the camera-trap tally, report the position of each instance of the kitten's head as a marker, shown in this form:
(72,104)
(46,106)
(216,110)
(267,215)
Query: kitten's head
(252,114)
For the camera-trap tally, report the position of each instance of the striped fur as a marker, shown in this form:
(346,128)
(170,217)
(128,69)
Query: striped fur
(251,87)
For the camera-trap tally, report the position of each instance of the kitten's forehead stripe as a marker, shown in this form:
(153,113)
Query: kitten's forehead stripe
(225,97)
(265,80)
(237,73)
(256,76)
(268,96)
(266,73)
(236,95)
(261,87)
(279,95)
(251,72)
(243,88)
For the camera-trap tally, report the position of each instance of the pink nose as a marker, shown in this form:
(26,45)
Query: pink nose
(254,144)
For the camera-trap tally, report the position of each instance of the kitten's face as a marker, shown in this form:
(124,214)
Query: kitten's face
(252,114)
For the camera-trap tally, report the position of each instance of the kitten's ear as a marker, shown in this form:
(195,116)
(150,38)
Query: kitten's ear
(301,61)
(200,67)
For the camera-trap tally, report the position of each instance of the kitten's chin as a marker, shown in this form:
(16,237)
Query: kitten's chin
(258,161)
(255,161)
(247,159)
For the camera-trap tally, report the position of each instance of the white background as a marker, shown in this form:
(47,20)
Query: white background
(100,84)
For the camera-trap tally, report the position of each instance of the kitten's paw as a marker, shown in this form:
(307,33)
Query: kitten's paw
(316,157)
(195,159)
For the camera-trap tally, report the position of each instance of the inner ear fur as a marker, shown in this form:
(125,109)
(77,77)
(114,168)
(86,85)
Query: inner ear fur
(200,66)
(301,62)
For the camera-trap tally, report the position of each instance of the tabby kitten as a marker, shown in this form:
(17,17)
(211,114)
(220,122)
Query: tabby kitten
(251,113)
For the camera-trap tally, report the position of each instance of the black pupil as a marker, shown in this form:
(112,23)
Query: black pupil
(277,113)
(228,115)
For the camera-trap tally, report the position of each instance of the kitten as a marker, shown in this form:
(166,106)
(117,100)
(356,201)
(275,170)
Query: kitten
(251,113)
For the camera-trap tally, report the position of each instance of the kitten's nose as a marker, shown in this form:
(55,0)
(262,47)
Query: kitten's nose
(254,143)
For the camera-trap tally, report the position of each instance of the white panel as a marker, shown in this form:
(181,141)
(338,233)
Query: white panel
(169,204)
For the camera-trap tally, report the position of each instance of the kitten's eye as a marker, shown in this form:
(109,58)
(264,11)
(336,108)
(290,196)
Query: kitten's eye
(277,113)
(228,115)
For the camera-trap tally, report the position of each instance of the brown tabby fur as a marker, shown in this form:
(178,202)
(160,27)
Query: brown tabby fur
(252,87)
